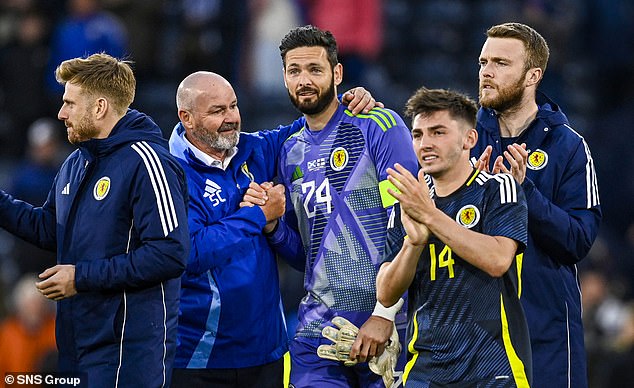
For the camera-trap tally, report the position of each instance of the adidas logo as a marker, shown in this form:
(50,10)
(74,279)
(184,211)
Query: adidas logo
(66,190)
(213,191)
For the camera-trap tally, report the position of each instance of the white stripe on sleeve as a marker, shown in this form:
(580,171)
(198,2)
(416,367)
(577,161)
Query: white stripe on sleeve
(164,202)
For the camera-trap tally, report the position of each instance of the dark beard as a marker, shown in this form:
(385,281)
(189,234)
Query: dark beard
(507,99)
(318,106)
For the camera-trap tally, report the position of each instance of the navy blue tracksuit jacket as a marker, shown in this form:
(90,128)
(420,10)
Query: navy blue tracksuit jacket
(117,211)
(563,221)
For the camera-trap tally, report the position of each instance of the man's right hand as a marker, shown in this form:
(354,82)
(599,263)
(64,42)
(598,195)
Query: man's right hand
(271,199)
(483,161)
(275,205)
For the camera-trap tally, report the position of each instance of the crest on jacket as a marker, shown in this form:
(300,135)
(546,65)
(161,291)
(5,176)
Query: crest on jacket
(537,160)
(102,188)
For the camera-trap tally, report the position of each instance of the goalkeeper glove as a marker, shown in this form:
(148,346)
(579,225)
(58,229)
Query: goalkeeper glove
(384,364)
(344,336)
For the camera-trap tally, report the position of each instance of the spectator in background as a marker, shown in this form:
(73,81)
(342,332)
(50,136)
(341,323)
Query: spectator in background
(620,370)
(22,64)
(271,21)
(609,42)
(144,24)
(603,318)
(28,334)
(86,30)
(211,35)
(34,175)
(358,27)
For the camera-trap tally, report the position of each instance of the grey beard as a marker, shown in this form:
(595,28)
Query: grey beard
(226,142)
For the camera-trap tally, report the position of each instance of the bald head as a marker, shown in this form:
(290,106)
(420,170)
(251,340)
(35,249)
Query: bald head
(200,82)
(208,110)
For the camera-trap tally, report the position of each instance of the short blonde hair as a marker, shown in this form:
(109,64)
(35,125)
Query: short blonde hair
(537,51)
(101,74)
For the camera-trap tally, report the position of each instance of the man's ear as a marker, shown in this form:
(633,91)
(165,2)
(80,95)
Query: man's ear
(284,76)
(338,74)
(470,139)
(533,76)
(101,108)
(186,118)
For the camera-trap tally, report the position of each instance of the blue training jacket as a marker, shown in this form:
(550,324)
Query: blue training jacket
(563,221)
(116,211)
(231,314)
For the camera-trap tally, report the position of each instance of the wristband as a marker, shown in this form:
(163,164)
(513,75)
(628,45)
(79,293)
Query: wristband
(387,312)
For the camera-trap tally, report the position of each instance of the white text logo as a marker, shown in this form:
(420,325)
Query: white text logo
(213,191)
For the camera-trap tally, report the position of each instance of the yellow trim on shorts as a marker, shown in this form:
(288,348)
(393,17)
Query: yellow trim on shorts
(519,260)
(517,366)
(410,349)
(287,369)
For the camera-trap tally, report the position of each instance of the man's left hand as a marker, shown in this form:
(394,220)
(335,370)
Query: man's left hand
(59,282)
(413,193)
(517,157)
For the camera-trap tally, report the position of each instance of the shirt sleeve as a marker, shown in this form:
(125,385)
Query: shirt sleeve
(36,225)
(395,235)
(274,139)
(287,243)
(213,244)
(506,214)
(390,143)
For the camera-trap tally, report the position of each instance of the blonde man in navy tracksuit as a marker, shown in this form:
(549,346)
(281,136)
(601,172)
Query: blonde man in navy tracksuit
(116,216)
(523,132)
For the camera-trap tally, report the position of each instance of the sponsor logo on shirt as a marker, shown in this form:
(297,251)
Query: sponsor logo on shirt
(297,174)
(101,189)
(339,159)
(537,160)
(214,192)
(468,216)
(316,164)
